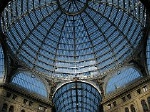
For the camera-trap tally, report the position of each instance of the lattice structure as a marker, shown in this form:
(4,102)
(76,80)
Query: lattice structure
(77,97)
(31,83)
(73,38)
(122,78)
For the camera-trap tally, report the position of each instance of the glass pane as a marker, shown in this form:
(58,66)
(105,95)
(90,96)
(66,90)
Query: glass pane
(77,97)
(121,79)
(30,82)
(2,66)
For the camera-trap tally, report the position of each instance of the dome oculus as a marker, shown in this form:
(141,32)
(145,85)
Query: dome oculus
(72,7)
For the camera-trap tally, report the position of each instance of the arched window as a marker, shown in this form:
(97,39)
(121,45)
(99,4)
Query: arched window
(121,78)
(11,108)
(144,105)
(132,108)
(31,83)
(148,100)
(126,109)
(22,110)
(2,70)
(4,108)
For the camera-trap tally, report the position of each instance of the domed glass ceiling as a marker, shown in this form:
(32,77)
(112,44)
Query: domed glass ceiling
(73,38)
(77,97)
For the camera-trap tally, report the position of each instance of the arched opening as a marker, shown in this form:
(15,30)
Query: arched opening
(148,100)
(11,108)
(4,108)
(144,106)
(30,82)
(132,108)
(121,79)
(77,97)
(126,109)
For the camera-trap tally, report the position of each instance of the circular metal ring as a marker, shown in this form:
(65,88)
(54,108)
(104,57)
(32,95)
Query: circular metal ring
(72,7)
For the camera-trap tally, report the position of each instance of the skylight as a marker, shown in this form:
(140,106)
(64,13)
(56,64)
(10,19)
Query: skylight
(121,79)
(77,97)
(73,38)
(31,83)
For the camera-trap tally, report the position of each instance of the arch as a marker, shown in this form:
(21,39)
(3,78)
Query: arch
(126,109)
(4,108)
(122,78)
(11,109)
(30,82)
(2,65)
(77,96)
(132,108)
(83,81)
(144,106)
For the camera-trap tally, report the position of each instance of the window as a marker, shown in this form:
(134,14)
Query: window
(109,106)
(126,109)
(148,100)
(11,108)
(30,103)
(122,78)
(31,83)
(139,91)
(42,108)
(14,97)
(145,89)
(25,101)
(8,94)
(129,96)
(144,105)
(114,104)
(132,108)
(123,99)
(4,108)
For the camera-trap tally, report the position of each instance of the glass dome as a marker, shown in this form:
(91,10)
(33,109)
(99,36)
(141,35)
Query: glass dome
(73,38)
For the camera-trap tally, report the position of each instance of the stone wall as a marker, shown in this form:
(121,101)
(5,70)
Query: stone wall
(130,97)
(21,102)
